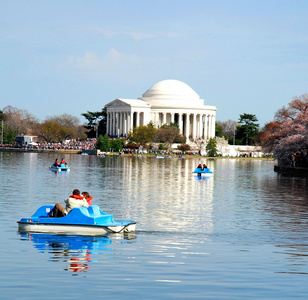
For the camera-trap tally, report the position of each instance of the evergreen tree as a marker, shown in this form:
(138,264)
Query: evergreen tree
(211,147)
(97,122)
(246,133)
(103,143)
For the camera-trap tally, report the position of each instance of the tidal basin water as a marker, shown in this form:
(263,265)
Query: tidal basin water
(240,234)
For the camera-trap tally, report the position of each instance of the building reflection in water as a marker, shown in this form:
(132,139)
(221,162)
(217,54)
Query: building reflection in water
(163,193)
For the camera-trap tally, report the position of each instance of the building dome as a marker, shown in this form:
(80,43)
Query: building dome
(172,93)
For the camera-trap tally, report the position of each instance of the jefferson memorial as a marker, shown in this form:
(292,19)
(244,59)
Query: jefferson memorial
(167,101)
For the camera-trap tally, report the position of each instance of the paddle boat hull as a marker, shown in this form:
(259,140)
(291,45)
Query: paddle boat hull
(85,221)
(206,172)
(62,167)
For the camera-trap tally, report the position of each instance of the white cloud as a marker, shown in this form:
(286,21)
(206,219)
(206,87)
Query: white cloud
(98,67)
(92,61)
(134,34)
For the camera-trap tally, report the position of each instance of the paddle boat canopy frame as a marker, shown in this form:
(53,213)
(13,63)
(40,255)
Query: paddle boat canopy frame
(91,221)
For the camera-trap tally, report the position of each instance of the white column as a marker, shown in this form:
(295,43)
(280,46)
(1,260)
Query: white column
(187,125)
(112,123)
(206,135)
(137,119)
(128,122)
(194,126)
(200,126)
(181,123)
(121,122)
(164,119)
(209,127)
(132,114)
(172,117)
(125,124)
(116,123)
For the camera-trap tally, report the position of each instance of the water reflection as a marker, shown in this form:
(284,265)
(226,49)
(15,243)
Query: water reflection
(74,251)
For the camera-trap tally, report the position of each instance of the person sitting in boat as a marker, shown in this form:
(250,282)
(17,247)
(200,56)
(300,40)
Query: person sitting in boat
(75,200)
(87,197)
(56,163)
(63,161)
(204,167)
(199,166)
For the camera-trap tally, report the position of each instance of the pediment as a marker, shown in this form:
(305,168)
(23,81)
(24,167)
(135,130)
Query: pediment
(117,103)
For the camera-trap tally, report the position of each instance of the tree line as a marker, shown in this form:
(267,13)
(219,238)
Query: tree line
(18,122)
(285,136)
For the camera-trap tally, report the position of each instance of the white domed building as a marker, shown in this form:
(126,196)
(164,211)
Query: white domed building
(168,101)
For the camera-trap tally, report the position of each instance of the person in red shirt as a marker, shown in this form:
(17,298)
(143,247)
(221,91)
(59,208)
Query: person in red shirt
(87,197)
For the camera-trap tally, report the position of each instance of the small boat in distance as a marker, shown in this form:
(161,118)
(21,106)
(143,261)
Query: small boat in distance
(91,221)
(204,171)
(159,156)
(62,167)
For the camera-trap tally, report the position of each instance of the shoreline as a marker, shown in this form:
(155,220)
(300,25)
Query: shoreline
(98,152)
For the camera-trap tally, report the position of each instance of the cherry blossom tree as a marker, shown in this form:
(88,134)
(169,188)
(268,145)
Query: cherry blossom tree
(288,133)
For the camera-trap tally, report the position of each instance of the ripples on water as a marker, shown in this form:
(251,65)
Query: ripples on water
(239,234)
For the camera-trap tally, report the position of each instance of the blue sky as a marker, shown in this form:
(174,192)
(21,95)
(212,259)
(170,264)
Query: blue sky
(76,56)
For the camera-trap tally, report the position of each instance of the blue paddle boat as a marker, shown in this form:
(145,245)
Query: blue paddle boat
(62,167)
(205,171)
(91,221)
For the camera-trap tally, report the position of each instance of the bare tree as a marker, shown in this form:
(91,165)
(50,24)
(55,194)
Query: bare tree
(19,121)
(228,127)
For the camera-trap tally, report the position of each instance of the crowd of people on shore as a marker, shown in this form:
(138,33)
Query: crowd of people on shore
(88,144)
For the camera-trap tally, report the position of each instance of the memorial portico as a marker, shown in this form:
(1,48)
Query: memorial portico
(168,101)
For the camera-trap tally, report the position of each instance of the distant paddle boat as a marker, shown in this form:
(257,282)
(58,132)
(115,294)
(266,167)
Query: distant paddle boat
(62,167)
(159,156)
(203,171)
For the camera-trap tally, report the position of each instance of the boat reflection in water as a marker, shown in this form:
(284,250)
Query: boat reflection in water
(74,250)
